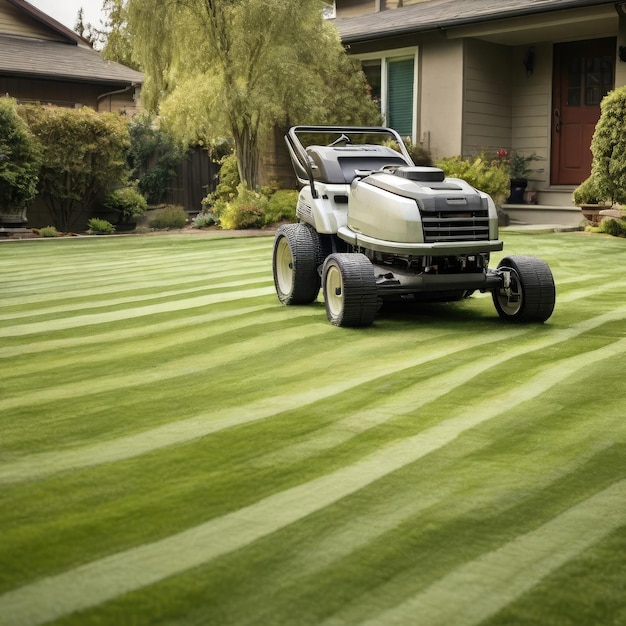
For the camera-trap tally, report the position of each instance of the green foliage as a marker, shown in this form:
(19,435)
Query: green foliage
(587,193)
(84,154)
(49,231)
(614,227)
(281,206)
(519,165)
(608,170)
(204,220)
(170,216)
(127,202)
(419,154)
(247,210)
(488,175)
(154,156)
(97,226)
(237,68)
(20,157)
(117,39)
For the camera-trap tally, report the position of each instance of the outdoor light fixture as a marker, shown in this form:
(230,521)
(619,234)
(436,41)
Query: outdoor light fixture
(529,61)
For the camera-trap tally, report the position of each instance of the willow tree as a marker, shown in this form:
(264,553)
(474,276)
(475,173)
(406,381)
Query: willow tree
(235,68)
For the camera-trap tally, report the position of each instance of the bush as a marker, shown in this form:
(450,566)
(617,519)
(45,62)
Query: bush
(49,231)
(84,154)
(170,216)
(226,189)
(247,210)
(281,206)
(154,157)
(20,158)
(481,172)
(608,170)
(419,154)
(96,226)
(204,220)
(614,227)
(127,202)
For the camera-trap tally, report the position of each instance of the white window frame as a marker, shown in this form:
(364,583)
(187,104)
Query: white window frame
(385,57)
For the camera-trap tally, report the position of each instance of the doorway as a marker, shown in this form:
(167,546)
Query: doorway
(584,72)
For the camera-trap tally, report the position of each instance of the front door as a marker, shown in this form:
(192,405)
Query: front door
(584,72)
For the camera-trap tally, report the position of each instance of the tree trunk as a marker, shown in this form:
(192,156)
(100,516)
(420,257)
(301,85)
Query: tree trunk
(247,152)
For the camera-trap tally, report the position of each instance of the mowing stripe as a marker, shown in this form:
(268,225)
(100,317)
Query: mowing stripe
(112,576)
(40,465)
(125,314)
(480,588)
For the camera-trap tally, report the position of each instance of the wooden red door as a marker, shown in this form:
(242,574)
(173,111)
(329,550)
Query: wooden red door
(584,72)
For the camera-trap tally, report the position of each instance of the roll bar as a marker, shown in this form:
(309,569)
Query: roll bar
(300,159)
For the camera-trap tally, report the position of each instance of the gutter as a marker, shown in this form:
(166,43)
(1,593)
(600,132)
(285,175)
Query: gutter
(114,93)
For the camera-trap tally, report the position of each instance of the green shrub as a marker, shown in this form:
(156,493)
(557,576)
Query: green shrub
(204,220)
(281,206)
(49,231)
(614,227)
(20,157)
(481,172)
(418,153)
(226,189)
(84,154)
(97,226)
(170,216)
(247,210)
(127,202)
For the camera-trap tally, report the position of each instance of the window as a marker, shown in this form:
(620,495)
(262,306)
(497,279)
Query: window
(393,86)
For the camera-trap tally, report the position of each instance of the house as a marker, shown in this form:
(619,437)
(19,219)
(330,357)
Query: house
(522,75)
(43,61)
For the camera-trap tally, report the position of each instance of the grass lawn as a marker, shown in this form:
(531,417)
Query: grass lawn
(177,448)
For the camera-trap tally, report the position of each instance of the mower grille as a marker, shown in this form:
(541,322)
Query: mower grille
(455,226)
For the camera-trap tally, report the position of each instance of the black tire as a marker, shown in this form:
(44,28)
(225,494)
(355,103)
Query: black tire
(531,295)
(350,292)
(295,263)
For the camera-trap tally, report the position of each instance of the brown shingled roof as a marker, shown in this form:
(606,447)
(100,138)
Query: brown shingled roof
(53,59)
(441,14)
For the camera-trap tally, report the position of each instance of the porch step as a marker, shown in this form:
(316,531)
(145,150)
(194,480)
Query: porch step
(544,214)
(555,196)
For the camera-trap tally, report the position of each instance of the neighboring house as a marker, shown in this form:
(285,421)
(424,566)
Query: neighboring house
(43,61)
(523,75)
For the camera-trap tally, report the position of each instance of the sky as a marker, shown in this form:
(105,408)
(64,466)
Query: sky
(65,11)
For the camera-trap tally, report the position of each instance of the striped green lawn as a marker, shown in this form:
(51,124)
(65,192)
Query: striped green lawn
(177,448)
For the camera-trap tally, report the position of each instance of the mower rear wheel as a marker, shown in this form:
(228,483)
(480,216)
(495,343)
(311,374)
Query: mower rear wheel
(294,262)
(349,287)
(530,294)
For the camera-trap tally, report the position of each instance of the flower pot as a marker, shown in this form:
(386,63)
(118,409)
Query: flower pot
(10,217)
(518,187)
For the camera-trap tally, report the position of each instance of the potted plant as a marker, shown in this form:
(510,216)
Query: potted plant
(19,165)
(519,169)
(129,204)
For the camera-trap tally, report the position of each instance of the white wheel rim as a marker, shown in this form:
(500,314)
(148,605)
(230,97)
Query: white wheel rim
(334,290)
(284,266)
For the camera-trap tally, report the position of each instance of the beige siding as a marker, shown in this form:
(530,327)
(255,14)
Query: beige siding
(15,22)
(531,110)
(441,95)
(352,8)
(487,97)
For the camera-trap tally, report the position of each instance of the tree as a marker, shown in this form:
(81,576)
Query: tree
(19,161)
(217,68)
(115,37)
(84,154)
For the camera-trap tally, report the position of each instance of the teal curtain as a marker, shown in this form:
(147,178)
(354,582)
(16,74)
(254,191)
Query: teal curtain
(400,76)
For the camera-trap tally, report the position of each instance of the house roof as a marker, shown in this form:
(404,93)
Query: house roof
(48,21)
(441,14)
(67,57)
(52,59)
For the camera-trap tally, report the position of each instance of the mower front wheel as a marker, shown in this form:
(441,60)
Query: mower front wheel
(528,293)
(349,287)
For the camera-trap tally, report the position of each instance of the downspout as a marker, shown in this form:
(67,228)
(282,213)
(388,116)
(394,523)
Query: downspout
(108,94)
